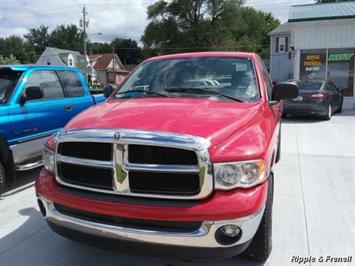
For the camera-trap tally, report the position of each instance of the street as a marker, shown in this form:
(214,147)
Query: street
(313,215)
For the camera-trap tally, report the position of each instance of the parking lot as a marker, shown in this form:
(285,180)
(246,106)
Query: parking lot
(314,206)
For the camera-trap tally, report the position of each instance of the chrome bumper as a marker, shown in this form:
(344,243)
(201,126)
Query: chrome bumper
(204,237)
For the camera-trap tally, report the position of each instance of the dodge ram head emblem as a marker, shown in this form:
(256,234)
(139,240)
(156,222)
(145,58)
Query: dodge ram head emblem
(117,136)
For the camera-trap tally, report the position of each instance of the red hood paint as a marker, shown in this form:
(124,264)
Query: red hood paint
(212,119)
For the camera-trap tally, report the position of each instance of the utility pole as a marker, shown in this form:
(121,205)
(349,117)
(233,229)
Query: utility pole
(84,23)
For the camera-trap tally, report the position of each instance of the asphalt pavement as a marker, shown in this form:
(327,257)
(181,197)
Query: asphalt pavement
(314,207)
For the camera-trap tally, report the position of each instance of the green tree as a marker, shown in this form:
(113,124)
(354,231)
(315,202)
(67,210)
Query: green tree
(38,38)
(67,37)
(198,25)
(16,46)
(127,49)
(8,60)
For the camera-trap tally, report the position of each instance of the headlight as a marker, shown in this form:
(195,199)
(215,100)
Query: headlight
(48,159)
(239,174)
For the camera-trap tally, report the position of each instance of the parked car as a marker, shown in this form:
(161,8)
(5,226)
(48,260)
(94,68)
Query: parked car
(35,102)
(319,98)
(159,167)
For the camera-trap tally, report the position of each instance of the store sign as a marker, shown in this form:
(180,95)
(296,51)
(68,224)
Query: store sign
(340,57)
(312,62)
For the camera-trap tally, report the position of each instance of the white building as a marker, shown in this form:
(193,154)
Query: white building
(317,42)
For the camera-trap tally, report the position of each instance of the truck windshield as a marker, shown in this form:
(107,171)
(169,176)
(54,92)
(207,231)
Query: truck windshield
(8,81)
(223,78)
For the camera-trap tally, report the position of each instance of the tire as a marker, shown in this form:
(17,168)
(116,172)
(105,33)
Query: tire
(260,248)
(2,178)
(329,113)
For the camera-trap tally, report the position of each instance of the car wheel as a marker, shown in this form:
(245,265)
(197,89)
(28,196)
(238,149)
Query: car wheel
(329,113)
(260,248)
(2,178)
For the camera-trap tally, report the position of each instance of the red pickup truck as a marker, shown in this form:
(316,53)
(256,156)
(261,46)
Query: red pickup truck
(178,160)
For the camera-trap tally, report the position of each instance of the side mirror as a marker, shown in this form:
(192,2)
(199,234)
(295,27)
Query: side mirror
(108,89)
(284,91)
(32,93)
(341,90)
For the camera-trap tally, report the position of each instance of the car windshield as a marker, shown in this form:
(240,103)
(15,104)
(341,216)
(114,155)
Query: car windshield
(219,77)
(8,81)
(310,87)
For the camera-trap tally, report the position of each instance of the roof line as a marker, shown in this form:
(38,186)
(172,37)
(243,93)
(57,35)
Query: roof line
(318,4)
(321,18)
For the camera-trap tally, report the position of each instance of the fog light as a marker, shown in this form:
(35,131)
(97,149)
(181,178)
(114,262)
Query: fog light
(228,234)
(230,230)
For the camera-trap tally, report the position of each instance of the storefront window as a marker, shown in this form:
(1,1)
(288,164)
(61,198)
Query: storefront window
(341,69)
(313,64)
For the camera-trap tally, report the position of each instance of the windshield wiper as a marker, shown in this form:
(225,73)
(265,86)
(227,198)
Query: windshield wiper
(145,92)
(203,91)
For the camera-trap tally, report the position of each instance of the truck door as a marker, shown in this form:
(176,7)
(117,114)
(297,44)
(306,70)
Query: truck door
(33,121)
(275,108)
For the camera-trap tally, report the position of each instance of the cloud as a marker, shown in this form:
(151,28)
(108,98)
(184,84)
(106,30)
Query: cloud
(279,8)
(112,18)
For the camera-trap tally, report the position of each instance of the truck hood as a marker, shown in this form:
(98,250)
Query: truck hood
(212,119)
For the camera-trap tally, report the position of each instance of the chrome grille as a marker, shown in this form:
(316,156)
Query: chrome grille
(139,163)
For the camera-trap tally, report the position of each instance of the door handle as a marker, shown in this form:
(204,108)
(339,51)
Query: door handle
(68,108)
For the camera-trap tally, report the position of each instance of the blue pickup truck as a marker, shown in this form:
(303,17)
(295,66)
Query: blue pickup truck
(35,102)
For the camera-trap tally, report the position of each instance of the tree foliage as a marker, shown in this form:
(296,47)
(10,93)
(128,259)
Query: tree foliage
(38,38)
(28,49)
(195,25)
(8,60)
(70,37)
(67,37)
(17,47)
(127,49)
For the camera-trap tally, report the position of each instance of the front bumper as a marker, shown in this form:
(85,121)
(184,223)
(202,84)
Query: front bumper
(243,208)
(203,237)
(150,249)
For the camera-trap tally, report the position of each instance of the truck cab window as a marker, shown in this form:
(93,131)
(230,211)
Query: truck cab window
(266,76)
(48,81)
(71,84)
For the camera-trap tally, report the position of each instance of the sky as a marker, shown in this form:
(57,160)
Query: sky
(111,18)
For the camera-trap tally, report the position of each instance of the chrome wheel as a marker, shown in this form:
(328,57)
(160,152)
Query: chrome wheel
(329,113)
